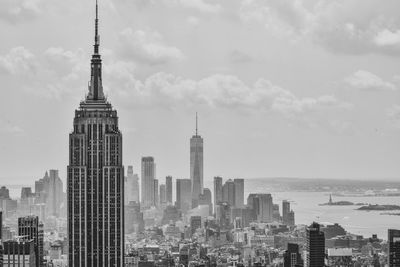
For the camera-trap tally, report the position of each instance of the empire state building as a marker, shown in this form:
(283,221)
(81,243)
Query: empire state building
(95,178)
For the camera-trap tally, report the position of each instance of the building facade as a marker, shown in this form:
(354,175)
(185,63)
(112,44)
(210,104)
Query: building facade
(168,185)
(148,176)
(95,178)
(131,186)
(29,228)
(314,254)
(196,166)
(394,247)
(183,194)
(239,193)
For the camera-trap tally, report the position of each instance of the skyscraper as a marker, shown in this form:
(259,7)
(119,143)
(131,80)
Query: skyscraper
(132,186)
(261,206)
(196,166)
(239,193)
(394,247)
(315,247)
(168,185)
(285,211)
(217,191)
(148,176)
(163,198)
(95,178)
(183,194)
(30,229)
(228,193)
(292,257)
(50,188)
(156,194)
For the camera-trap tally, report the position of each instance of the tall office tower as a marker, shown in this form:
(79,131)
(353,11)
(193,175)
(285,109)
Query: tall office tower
(131,186)
(19,253)
(314,254)
(168,184)
(196,166)
(239,193)
(195,223)
(394,247)
(54,192)
(4,192)
(156,194)
(285,211)
(30,229)
(262,207)
(183,194)
(217,191)
(206,199)
(148,176)
(228,192)
(163,197)
(95,178)
(1,226)
(26,192)
(292,256)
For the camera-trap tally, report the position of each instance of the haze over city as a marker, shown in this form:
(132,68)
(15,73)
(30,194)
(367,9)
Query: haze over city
(278,94)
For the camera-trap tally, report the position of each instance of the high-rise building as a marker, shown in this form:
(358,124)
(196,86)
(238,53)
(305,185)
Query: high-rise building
(183,194)
(285,211)
(205,199)
(163,198)
(131,186)
(156,194)
(196,166)
(29,228)
(292,256)
(49,189)
(168,184)
(239,193)
(217,191)
(54,193)
(228,192)
(19,253)
(1,226)
(4,192)
(148,176)
(394,247)
(95,178)
(314,254)
(195,223)
(262,207)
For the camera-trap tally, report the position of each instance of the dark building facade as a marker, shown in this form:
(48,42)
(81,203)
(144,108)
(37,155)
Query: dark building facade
(315,246)
(292,256)
(29,228)
(19,253)
(95,178)
(168,184)
(394,247)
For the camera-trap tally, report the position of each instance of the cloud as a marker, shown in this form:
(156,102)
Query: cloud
(50,74)
(349,27)
(201,5)
(18,60)
(394,115)
(237,56)
(14,11)
(147,47)
(364,80)
(7,127)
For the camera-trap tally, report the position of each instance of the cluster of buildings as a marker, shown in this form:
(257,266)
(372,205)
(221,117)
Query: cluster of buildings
(103,219)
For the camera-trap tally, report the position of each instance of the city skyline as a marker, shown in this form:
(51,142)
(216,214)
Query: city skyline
(345,111)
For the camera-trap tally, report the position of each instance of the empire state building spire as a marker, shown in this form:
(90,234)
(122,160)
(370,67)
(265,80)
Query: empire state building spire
(95,84)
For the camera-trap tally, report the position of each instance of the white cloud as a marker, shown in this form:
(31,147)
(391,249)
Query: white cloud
(353,27)
(7,127)
(18,60)
(200,5)
(147,47)
(237,56)
(365,80)
(19,10)
(387,38)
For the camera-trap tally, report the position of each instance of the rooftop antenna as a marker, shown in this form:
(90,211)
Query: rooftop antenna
(196,124)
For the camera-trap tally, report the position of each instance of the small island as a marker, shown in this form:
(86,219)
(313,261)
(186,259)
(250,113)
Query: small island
(341,203)
(379,207)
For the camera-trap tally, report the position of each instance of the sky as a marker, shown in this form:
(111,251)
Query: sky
(283,88)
